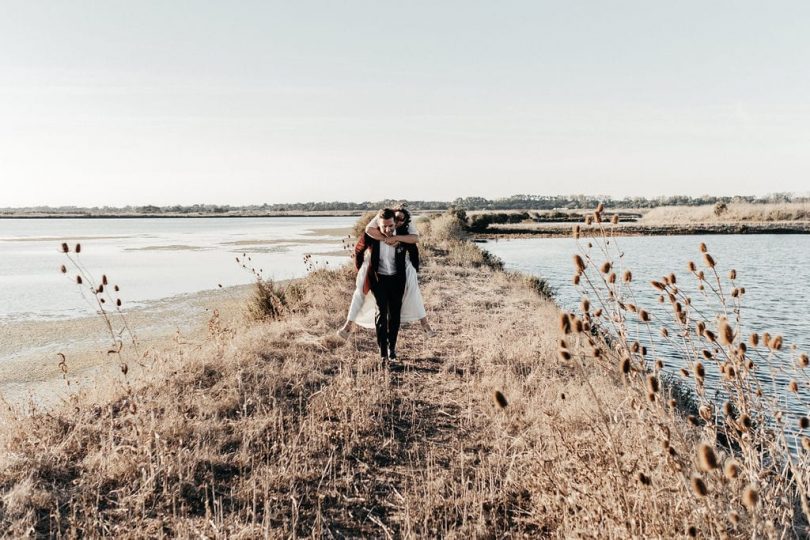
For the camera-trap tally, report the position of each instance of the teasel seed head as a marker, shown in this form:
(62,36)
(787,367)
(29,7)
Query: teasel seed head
(684,373)
(597,217)
(118,302)
(63,269)
(615,219)
(691,531)
(806,443)
(104,279)
(776,343)
(605,268)
(804,422)
(658,285)
(745,422)
(624,365)
(750,497)
(597,313)
(732,274)
(731,468)
(564,355)
(576,279)
(664,332)
(565,323)
(804,360)
(692,266)
(728,409)
(78,248)
(710,336)
(585,305)
(709,260)
(575,232)
(753,339)
(703,248)
(707,459)
(78,280)
(500,399)
(793,386)
(579,263)
(612,277)
(706,354)
(116,288)
(65,248)
(726,333)
(700,372)
(698,486)
(659,364)
(600,208)
(652,384)
(588,219)
(578,326)
(734,518)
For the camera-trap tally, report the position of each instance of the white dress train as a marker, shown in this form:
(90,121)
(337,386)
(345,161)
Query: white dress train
(364,307)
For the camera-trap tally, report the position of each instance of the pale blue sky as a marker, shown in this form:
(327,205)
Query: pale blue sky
(168,102)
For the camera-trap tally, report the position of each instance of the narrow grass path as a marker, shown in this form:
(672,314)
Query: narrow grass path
(435,427)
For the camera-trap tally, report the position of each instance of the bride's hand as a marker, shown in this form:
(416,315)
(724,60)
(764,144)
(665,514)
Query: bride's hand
(391,241)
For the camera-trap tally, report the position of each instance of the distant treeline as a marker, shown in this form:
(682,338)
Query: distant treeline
(515,202)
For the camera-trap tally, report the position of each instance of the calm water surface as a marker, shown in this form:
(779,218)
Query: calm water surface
(152,259)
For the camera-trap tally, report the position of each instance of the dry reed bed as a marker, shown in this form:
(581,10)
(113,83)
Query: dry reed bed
(278,429)
(732,212)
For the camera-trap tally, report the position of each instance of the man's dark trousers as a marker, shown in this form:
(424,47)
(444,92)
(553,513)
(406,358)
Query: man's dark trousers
(388,292)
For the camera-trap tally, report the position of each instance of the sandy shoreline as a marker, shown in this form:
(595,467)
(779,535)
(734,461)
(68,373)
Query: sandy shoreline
(29,361)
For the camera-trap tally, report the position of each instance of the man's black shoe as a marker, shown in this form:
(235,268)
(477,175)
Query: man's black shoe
(392,354)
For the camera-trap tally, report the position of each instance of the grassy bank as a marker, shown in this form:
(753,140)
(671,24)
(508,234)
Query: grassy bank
(506,423)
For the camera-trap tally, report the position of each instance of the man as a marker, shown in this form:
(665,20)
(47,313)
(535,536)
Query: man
(386,277)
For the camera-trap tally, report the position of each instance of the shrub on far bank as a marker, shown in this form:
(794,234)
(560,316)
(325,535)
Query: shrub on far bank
(443,228)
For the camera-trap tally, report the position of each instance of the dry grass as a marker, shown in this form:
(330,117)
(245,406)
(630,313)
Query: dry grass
(733,212)
(278,429)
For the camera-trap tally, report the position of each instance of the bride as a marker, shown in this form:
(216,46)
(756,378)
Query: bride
(363,306)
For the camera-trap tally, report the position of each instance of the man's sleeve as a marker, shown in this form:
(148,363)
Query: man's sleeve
(359,252)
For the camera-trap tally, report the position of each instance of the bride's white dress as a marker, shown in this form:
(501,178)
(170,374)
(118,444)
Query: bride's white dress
(364,307)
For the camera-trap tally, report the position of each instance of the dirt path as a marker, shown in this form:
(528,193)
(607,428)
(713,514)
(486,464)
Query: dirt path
(432,432)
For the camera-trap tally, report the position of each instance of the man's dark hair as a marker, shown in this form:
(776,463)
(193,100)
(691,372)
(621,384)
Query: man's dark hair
(387,213)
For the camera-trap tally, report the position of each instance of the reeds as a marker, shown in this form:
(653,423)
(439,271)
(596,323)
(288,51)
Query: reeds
(754,429)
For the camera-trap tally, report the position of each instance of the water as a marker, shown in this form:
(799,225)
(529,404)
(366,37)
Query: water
(774,269)
(152,259)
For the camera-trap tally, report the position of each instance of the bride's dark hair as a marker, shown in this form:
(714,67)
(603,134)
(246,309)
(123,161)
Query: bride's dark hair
(405,212)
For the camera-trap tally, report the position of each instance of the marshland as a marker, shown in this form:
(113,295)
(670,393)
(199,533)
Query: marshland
(625,390)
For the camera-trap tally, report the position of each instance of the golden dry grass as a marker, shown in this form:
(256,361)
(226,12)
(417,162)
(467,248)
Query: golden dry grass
(278,428)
